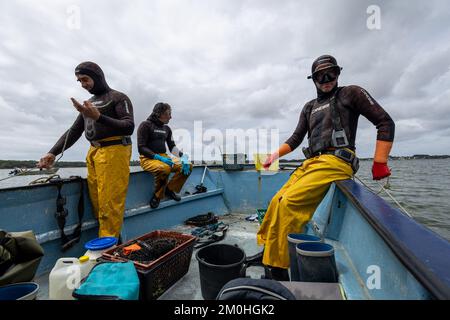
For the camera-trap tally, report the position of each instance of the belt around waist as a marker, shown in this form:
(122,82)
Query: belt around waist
(124,141)
(345,152)
(345,155)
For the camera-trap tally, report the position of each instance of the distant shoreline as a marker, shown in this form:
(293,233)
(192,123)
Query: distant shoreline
(414,157)
(11,164)
(29,164)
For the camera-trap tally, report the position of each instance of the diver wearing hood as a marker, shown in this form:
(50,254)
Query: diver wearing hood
(153,135)
(107,122)
(331,122)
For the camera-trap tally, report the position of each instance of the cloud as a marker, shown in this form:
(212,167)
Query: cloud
(231,64)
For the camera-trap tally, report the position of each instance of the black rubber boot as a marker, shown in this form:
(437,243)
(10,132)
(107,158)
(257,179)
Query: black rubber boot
(280,274)
(172,195)
(255,260)
(274,273)
(154,202)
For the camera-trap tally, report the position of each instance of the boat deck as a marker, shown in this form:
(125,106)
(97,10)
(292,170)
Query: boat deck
(240,232)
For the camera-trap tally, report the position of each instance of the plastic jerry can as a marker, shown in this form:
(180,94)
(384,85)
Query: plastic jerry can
(66,276)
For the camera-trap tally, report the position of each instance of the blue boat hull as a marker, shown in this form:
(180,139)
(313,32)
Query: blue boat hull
(373,264)
(380,253)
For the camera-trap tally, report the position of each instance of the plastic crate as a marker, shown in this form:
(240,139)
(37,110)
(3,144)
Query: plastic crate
(160,274)
(261,213)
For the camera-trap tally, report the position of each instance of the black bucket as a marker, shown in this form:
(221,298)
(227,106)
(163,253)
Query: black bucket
(219,264)
(316,262)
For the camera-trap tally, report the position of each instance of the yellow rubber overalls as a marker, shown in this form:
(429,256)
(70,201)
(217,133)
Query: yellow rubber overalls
(108,175)
(294,204)
(161,172)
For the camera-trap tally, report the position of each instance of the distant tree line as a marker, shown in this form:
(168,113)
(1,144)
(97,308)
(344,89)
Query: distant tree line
(416,156)
(29,164)
(11,164)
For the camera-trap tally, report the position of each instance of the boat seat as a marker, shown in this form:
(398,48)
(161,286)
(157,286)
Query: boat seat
(170,203)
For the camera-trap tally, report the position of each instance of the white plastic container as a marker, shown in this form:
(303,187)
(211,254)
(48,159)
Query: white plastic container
(97,246)
(94,254)
(66,276)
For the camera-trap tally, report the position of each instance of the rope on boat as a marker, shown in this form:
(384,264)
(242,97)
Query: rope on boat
(40,180)
(43,180)
(385,189)
(64,147)
(395,200)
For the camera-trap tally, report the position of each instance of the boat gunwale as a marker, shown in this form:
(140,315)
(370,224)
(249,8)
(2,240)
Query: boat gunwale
(76,179)
(424,273)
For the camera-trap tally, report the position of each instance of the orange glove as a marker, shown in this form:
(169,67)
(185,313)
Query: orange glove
(134,247)
(282,151)
(380,169)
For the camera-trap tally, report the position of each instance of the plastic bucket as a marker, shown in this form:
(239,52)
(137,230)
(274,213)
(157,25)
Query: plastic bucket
(19,291)
(293,240)
(218,264)
(97,246)
(316,262)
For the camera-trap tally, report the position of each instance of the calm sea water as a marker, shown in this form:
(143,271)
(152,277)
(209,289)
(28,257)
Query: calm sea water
(422,187)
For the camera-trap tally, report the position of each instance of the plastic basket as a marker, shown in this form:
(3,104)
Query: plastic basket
(261,213)
(160,274)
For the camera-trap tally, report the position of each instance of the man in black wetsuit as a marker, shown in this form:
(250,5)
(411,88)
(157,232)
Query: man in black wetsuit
(330,121)
(107,122)
(153,135)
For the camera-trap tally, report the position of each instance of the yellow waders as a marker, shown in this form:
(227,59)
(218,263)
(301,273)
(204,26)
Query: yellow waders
(161,172)
(294,204)
(108,175)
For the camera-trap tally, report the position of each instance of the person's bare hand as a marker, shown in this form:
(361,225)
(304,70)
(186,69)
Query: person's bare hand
(46,161)
(90,110)
(77,105)
(87,109)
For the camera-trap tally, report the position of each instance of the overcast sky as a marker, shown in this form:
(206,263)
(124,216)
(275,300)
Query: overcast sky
(231,64)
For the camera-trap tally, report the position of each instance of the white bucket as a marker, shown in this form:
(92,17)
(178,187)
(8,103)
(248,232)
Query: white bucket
(97,246)
(95,254)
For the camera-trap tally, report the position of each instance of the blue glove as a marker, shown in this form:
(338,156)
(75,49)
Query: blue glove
(163,159)
(185,165)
